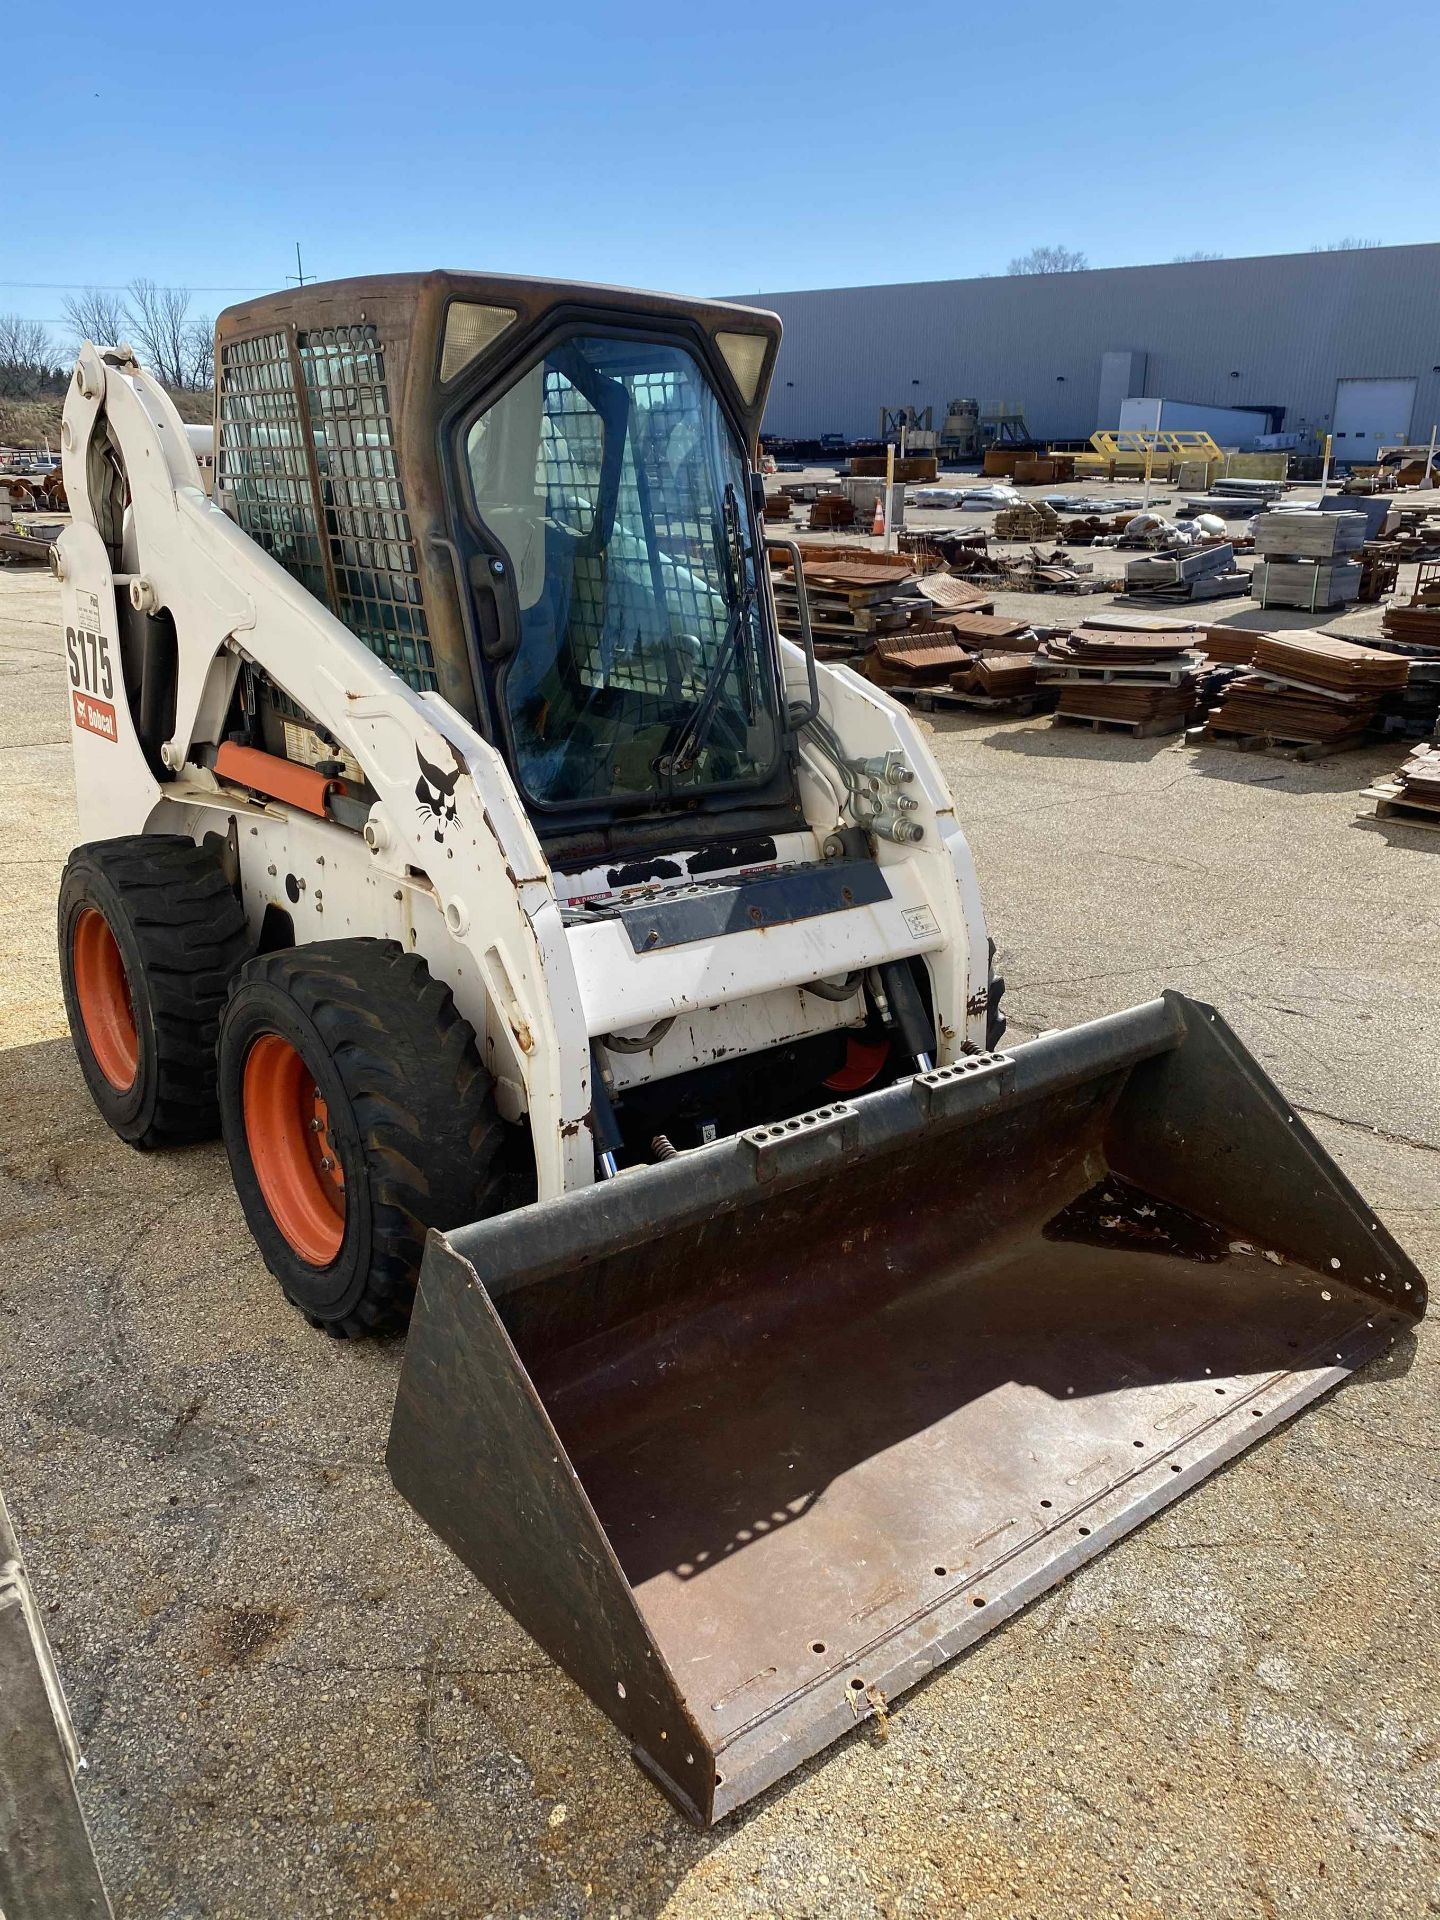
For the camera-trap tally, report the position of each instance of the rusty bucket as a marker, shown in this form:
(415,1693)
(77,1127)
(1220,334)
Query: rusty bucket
(753,1440)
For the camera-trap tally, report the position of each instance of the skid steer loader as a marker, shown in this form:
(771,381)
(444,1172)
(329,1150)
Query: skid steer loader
(462,841)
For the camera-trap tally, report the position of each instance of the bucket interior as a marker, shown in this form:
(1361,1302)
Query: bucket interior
(810,1425)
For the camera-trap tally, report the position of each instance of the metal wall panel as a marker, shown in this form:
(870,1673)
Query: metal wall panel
(1279,330)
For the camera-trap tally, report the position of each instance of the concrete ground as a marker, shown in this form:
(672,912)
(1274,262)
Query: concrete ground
(293,1702)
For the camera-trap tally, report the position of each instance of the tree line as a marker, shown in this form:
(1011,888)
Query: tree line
(178,347)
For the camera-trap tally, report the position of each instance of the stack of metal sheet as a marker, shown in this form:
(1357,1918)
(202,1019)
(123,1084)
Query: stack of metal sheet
(1412,794)
(1134,676)
(1231,646)
(1307,689)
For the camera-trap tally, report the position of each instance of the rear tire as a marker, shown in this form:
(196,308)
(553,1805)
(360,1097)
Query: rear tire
(357,1115)
(150,935)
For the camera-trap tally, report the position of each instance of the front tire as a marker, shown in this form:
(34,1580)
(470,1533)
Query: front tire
(357,1115)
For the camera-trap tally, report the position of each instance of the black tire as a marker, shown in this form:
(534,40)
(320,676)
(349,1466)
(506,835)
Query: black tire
(410,1125)
(181,936)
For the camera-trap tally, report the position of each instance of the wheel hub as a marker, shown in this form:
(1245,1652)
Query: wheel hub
(297,1164)
(103,991)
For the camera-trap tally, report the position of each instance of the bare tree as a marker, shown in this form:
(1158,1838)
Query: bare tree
(1049,260)
(200,351)
(96,315)
(1350,244)
(27,357)
(1179,259)
(160,329)
(178,350)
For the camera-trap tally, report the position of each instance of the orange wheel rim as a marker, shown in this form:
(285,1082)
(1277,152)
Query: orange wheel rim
(287,1129)
(103,991)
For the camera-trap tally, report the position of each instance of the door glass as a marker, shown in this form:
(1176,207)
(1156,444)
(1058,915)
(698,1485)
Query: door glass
(610,477)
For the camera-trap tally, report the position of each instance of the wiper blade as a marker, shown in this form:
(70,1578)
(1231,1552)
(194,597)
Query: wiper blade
(692,735)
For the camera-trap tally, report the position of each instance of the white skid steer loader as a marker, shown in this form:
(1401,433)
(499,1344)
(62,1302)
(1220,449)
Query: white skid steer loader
(465,845)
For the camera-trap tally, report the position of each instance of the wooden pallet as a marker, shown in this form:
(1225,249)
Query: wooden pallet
(1069,673)
(1276,745)
(1140,729)
(834,620)
(928,699)
(1405,813)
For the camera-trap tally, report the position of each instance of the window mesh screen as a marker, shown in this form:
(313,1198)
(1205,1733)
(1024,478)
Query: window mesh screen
(377,580)
(262,472)
(662,552)
(264,477)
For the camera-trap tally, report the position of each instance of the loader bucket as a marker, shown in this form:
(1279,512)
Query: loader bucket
(753,1440)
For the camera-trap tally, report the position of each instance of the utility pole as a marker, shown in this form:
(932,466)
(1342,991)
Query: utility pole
(299,274)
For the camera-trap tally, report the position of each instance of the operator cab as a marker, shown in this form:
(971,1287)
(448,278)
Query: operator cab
(536,501)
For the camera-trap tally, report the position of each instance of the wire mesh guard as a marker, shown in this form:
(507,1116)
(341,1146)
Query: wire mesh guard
(377,583)
(263,470)
(265,479)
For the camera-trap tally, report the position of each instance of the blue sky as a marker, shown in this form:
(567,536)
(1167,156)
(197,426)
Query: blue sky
(699,150)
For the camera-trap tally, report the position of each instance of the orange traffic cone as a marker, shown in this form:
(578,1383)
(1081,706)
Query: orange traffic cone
(877,525)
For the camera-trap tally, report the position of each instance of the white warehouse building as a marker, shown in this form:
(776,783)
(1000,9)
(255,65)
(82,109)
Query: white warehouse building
(1345,343)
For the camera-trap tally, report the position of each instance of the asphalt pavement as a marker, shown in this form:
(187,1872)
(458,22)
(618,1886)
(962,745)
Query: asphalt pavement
(294,1702)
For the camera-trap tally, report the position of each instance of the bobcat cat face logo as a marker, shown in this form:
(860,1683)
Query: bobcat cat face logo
(435,791)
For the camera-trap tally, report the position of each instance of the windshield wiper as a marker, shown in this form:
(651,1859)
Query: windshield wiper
(692,735)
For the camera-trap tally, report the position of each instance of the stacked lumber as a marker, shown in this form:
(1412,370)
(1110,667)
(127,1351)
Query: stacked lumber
(778,506)
(1306,689)
(850,602)
(1031,520)
(1417,710)
(1131,674)
(914,469)
(823,552)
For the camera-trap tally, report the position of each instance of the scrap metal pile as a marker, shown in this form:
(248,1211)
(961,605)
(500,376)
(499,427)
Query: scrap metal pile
(971,659)
(1307,690)
(1124,672)
(1202,571)
(1412,794)
(857,596)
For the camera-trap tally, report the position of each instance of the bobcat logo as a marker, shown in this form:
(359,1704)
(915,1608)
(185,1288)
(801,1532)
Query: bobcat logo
(435,792)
